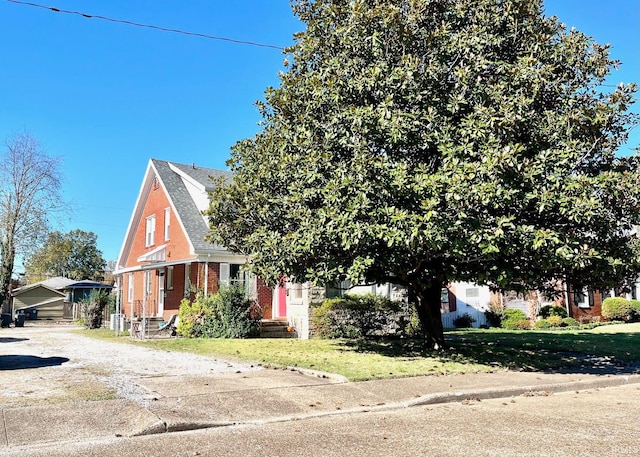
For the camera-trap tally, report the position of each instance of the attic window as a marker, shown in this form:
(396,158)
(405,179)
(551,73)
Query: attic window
(156,183)
(150,231)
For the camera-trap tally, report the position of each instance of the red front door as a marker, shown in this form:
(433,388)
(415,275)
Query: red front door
(282,300)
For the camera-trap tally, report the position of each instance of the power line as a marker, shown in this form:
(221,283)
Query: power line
(148,26)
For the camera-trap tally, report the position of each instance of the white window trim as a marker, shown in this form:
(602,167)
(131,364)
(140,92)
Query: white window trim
(583,304)
(167,223)
(130,289)
(170,278)
(150,231)
(147,282)
(225,273)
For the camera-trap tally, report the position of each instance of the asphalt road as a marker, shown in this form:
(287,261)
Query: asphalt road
(604,422)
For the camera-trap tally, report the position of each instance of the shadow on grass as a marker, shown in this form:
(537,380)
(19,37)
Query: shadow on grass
(21,362)
(557,352)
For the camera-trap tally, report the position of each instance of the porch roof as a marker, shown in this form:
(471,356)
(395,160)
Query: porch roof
(158,254)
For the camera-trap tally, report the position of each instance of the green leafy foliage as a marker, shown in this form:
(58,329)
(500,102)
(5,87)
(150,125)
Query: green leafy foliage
(433,141)
(513,319)
(494,315)
(542,324)
(361,316)
(225,314)
(552,310)
(570,322)
(93,308)
(74,255)
(617,308)
(554,321)
(464,321)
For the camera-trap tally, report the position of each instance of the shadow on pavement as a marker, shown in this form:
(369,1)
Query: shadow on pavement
(12,340)
(21,362)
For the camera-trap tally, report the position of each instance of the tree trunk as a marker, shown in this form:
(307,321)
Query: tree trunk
(7,252)
(427,303)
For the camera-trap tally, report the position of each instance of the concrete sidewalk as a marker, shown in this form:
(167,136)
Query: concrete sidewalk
(177,403)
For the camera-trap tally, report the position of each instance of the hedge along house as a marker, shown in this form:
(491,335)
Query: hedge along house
(164,256)
(297,301)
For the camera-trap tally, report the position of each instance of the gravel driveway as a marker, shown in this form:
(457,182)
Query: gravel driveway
(47,364)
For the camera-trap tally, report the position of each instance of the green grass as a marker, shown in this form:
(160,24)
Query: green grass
(471,351)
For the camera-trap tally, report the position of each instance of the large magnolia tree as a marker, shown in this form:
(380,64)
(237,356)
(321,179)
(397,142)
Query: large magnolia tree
(425,141)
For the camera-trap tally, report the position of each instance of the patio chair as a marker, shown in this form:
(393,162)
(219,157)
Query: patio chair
(169,328)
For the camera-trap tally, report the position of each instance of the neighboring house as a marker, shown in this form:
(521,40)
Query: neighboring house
(585,305)
(461,298)
(53,298)
(164,256)
(296,301)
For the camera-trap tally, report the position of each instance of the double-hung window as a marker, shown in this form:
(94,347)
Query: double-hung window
(169,278)
(130,288)
(167,223)
(150,232)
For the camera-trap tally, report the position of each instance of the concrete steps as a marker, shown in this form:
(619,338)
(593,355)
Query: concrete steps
(274,328)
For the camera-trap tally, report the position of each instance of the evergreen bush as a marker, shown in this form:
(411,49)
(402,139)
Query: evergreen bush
(512,319)
(361,316)
(464,321)
(552,310)
(635,306)
(93,308)
(542,324)
(617,308)
(554,321)
(570,322)
(225,314)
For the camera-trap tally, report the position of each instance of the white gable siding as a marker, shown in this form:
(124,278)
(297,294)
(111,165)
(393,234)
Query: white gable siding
(198,194)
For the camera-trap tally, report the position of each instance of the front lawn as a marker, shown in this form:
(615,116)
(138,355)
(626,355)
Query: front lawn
(471,351)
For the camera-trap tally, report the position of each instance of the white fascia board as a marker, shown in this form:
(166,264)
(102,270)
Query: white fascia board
(176,214)
(136,213)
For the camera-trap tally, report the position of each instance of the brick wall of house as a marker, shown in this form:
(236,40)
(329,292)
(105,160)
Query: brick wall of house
(265,297)
(177,246)
(586,314)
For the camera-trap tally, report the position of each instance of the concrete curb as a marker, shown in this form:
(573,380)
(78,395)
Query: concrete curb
(505,392)
(429,399)
(333,377)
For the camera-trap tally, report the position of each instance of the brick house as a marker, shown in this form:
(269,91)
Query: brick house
(164,256)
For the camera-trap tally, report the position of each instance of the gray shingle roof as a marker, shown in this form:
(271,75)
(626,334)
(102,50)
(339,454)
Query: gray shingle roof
(194,224)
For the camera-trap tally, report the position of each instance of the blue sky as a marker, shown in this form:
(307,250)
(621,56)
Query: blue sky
(106,97)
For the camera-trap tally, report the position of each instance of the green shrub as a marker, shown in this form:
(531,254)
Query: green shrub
(193,313)
(554,321)
(512,319)
(570,322)
(225,314)
(552,310)
(494,315)
(542,324)
(93,308)
(361,316)
(522,324)
(409,324)
(617,308)
(464,321)
(232,315)
(635,306)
